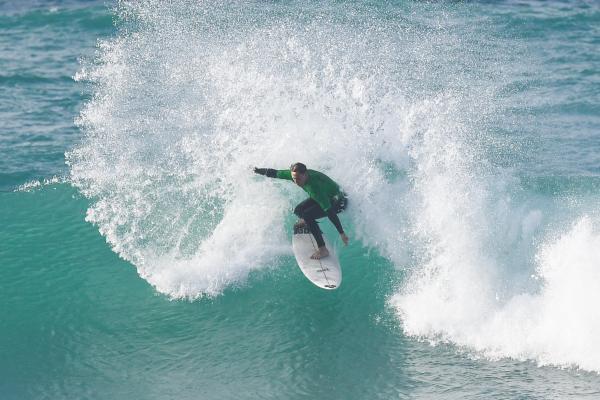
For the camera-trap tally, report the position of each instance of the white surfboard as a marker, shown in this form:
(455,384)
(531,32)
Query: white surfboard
(326,273)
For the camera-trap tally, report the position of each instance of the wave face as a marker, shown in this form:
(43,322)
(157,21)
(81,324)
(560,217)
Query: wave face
(422,112)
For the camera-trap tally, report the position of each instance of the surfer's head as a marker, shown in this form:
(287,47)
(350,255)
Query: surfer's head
(299,175)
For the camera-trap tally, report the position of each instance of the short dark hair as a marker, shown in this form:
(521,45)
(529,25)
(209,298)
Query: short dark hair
(298,167)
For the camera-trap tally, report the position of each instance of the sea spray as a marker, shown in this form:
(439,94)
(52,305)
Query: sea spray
(183,108)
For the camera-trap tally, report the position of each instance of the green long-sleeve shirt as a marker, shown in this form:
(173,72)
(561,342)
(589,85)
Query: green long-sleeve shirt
(319,187)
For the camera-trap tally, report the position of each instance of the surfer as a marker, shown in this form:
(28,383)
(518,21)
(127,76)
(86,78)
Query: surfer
(325,199)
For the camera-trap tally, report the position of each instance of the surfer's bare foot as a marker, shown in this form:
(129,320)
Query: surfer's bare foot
(321,253)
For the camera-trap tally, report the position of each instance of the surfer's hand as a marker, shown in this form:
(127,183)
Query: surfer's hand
(260,171)
(269,172)
(344,239)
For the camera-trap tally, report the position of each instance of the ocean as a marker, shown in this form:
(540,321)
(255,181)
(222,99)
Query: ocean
(140,257)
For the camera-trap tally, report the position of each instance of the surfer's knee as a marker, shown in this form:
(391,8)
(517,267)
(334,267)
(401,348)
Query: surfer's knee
(299,211)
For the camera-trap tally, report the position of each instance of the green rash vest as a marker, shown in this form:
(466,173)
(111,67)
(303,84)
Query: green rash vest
(319,186)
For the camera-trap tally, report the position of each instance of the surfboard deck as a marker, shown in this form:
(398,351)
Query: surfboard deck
(325,273)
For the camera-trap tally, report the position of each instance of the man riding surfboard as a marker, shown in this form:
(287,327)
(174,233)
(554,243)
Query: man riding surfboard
(326,199)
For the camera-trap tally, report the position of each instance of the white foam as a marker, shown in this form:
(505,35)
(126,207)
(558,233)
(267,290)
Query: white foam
(556,325)
(36,184)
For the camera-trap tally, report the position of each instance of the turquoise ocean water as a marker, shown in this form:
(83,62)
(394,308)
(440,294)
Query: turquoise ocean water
(140,257)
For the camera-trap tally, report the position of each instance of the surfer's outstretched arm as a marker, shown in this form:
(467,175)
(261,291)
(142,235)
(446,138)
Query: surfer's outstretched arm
(274,173)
